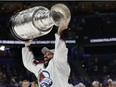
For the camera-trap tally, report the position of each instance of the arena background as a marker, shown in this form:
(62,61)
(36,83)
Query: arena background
(91,40)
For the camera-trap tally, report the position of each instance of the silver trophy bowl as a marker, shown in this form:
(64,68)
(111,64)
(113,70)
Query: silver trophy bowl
(38,21)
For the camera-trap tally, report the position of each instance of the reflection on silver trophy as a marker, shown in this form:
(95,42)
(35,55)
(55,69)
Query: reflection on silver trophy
(38,21)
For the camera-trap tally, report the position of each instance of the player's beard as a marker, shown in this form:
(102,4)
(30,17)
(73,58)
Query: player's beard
(46,64)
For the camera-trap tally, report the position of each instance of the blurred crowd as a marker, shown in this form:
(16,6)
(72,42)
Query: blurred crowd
(15,75)
(101,71)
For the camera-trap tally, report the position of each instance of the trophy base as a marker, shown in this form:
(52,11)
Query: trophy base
(17,37)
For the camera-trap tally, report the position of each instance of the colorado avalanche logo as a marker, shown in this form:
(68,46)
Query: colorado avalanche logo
(43,74)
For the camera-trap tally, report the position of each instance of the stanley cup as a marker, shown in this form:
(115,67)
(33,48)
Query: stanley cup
(38,21)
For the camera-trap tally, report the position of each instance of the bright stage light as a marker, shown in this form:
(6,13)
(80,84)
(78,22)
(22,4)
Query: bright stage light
(2,48)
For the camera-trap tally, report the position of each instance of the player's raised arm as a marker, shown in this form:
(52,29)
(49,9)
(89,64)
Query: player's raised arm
(29,61)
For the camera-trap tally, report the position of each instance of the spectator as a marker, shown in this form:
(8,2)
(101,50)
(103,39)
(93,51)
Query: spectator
(110,82)
(95,84)
(80,85)
(25,83)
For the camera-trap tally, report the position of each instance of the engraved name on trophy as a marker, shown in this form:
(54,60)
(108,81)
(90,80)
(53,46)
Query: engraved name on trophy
(38,21)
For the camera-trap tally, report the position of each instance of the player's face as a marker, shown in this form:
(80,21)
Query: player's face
(47,57)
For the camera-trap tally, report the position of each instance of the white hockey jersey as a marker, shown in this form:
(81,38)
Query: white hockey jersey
(58,67)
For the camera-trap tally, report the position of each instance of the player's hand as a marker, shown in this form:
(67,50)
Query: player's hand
(27,43)
(62,27)
(46,82)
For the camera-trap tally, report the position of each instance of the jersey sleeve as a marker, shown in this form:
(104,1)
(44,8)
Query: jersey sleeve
(61,50)
(28,58)
(61,55)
